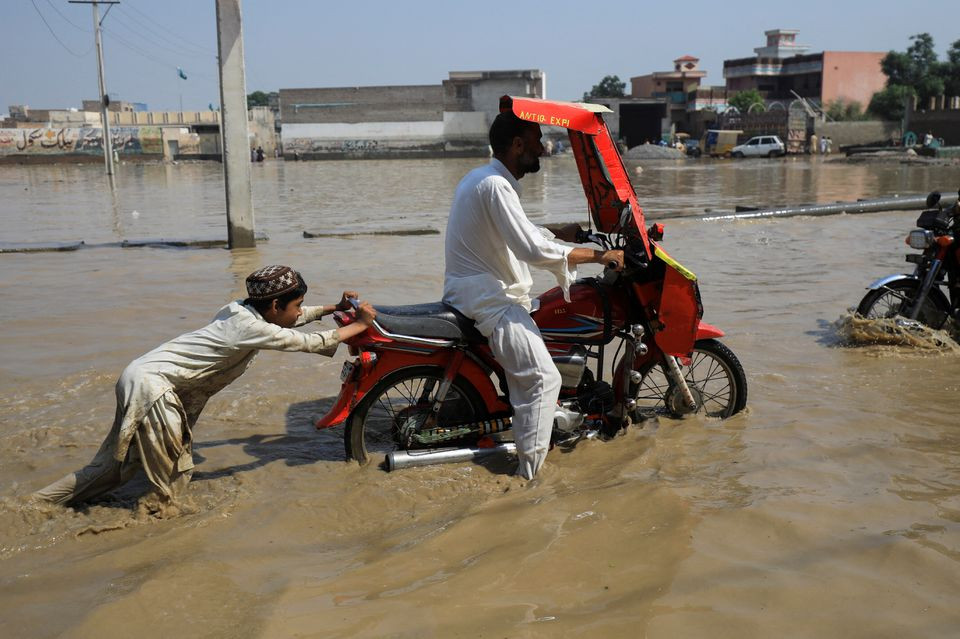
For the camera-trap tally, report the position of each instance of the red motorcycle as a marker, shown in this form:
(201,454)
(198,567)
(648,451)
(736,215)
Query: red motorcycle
(423,379)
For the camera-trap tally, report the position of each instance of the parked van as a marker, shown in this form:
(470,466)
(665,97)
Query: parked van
(719,142)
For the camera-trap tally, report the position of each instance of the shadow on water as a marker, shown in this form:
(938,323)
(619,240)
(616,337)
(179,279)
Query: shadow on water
(302,444)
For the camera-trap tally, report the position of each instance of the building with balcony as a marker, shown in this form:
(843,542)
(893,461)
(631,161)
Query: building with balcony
(677,90)
(783,70)
(673,85)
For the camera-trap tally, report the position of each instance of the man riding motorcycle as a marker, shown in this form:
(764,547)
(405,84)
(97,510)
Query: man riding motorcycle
(489,245)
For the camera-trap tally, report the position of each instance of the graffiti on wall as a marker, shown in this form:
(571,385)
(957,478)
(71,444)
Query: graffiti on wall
(316,145)
(84,140)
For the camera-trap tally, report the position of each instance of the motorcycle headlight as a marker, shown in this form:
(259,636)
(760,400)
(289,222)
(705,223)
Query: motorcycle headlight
(920,238)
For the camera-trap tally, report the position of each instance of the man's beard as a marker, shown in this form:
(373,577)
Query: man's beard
(530,166)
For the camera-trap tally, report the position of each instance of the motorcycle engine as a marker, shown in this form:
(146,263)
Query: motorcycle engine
(595,397)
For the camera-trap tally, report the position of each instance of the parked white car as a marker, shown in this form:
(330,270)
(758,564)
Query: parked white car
(761,146)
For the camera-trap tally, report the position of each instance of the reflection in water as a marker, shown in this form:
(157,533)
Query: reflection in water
(828,508)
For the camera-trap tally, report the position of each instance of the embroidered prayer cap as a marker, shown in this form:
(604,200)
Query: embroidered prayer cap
(271,281)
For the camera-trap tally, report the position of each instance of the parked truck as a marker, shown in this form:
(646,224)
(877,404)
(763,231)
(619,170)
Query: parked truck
(719,142)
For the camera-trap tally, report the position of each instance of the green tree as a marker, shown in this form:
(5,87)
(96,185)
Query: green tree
(951,70)
(917,68)
(610,87)
(890,103)
(258,98)
(842,111)
(746,99)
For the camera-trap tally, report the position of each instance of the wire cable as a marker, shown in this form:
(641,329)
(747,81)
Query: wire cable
(139,34)
(171,31)
(66,19)
(50,29)
(165,63)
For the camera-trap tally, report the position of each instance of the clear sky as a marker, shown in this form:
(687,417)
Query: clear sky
(321,43)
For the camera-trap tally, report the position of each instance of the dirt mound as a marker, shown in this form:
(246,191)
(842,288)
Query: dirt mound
(653,152)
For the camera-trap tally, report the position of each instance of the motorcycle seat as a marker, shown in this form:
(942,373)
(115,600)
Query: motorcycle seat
(435,319)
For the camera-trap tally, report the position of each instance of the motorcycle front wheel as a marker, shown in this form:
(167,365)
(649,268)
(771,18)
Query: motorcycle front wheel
(401,399)
(715,378)
(896,298)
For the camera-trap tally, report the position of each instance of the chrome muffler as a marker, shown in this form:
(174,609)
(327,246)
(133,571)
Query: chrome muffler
(408,458)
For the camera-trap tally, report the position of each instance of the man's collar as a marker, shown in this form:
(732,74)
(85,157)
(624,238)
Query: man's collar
(501,168)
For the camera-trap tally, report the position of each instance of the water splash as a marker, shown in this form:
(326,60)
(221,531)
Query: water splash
(855,330)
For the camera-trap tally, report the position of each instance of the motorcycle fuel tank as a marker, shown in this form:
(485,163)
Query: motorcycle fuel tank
(588,318)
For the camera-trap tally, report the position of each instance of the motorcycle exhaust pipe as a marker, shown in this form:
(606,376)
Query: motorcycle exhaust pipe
(408,458)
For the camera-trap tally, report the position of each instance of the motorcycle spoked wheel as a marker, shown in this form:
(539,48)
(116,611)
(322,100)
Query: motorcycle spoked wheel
(895,298)
(715,378)
(374,426)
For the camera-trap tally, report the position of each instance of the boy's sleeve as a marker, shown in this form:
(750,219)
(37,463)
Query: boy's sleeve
(310,314)
(258,334)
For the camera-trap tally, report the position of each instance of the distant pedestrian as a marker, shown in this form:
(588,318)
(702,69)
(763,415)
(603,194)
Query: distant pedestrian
(829,146)
(814,141)
(259,154)
(253,154)
(823,145)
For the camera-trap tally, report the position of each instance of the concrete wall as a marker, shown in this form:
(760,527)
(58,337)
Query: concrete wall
(853,76)
(262,128)
(448,119)
(416,103)
(457,133)
(49,144)
(857,133)
(941,124)
(80,141)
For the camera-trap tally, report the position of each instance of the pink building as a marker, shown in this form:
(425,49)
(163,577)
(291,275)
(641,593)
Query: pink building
(782,69)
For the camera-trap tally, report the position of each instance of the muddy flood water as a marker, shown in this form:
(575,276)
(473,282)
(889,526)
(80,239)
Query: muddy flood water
(829,508)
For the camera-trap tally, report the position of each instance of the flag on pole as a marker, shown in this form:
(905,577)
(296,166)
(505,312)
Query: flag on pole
(181,73)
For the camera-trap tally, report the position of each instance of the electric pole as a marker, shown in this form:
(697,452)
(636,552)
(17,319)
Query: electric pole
(233,124)
(104,98)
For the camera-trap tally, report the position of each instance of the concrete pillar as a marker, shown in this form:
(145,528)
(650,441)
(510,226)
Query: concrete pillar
(233,105)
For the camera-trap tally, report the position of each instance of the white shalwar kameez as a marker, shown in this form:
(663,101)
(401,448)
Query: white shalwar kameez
(160,396)
(489,244)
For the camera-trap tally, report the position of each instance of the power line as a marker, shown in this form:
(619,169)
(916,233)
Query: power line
(66,19)
(125,43)
(154,42)
(50,29)
(171,31)
(196,49)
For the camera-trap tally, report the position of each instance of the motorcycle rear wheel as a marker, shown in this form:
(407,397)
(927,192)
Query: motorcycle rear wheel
(896,298)
(373,428)
(714,376)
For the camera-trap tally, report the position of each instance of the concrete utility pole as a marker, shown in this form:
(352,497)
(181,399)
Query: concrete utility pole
(104,98)
(233,125)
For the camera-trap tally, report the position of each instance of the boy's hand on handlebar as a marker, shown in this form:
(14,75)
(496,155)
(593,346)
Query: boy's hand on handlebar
(344,304)
(366,314)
